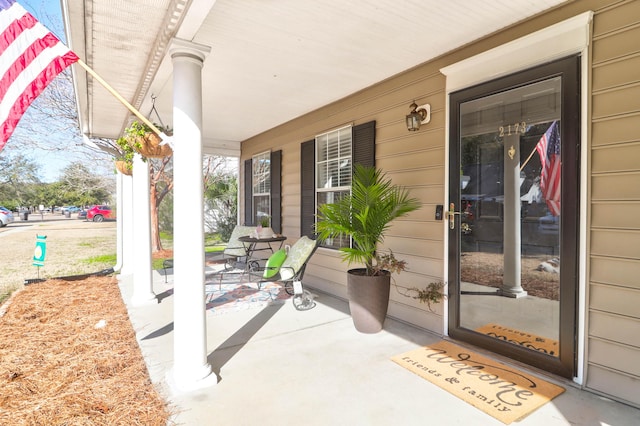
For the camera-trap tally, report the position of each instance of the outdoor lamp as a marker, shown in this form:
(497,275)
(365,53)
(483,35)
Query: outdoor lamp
(418,115)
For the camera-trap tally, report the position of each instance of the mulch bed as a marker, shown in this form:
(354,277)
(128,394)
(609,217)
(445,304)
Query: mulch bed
(69,356)
(487,269)
(162,254)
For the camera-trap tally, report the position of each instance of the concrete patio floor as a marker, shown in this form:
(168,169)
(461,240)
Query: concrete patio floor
(279,366)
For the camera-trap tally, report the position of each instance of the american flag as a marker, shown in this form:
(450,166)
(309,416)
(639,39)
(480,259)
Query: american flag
(549,151)
(30,58)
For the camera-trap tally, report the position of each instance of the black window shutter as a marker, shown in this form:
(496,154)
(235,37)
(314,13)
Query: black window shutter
(276,189)
(364,144)
(307,188)
(248,192)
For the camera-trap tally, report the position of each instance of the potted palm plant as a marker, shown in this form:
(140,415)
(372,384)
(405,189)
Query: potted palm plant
(364,216)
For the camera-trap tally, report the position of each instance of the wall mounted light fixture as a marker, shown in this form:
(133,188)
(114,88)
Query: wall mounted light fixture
(418,115)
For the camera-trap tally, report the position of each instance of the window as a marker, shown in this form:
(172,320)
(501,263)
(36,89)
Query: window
(262,189)
(326,164)
(261,186)
(333,171)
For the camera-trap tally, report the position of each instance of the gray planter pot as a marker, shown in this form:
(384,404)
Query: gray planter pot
(368,300)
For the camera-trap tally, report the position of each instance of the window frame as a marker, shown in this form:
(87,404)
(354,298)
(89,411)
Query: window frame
(275,191)
(263,173)
(321,161)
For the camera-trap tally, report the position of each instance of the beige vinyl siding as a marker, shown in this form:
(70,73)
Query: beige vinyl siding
(413,159)
(613,346)
(417,160)
(614,271)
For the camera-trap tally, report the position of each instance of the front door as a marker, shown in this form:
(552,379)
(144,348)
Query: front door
(514,214)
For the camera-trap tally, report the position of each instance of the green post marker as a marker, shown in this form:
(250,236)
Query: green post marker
(40,251)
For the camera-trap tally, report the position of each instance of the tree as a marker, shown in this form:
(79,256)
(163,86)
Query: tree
(165,214)
(221,201)
(79,186)
(19,185)
(221,196)
(49,194)
(161,184)
(18,175)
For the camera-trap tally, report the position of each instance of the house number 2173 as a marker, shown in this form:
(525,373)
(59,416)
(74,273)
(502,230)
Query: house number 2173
(512,129)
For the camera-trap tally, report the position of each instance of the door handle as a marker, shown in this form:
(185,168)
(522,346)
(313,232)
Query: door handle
(452,215)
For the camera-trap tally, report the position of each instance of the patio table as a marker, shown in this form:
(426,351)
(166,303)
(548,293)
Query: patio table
(254,245)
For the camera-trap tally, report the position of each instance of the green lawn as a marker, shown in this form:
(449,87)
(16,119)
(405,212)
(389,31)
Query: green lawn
(212,244)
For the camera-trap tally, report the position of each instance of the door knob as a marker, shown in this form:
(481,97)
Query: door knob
(452,215)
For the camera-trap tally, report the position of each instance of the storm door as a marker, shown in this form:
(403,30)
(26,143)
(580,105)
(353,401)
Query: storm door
(514,213)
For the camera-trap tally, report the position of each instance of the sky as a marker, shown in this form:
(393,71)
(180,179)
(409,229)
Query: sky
(45,11)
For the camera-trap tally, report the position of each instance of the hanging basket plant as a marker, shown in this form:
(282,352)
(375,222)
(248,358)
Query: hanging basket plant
(146,142)
(124,167)
(124,160)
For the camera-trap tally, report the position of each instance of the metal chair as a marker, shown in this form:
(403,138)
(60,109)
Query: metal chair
(235,250)
(292,270)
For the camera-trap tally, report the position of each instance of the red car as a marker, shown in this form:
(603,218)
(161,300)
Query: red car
(100,213)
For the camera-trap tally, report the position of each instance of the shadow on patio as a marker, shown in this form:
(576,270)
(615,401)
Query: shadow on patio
(276,365)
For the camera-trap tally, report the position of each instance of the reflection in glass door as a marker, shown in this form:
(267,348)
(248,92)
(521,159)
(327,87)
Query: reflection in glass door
(508,214)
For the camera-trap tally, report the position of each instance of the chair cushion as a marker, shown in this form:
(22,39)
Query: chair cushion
(235,247)
(274,262)
(298,256)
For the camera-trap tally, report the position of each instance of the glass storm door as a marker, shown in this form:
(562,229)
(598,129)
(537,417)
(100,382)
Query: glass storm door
(513,215)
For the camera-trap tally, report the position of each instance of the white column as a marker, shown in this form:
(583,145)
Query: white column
(142,279)
(126,218)
(119,218)
(511,280)
(190,367)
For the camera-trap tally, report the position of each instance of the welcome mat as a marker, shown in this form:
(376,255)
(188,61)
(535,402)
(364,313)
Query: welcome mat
(240,297)
(495,388)
(528,340)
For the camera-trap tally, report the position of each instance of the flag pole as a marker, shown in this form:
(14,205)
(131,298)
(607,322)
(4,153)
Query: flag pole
(528,158)
(119,97)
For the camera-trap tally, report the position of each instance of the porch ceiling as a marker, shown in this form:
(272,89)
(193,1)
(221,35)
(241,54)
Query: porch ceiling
(270,61)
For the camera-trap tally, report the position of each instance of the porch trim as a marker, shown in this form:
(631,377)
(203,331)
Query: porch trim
(563,39)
